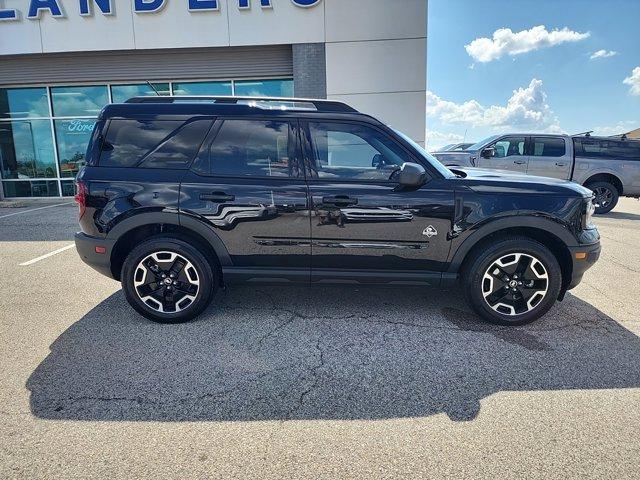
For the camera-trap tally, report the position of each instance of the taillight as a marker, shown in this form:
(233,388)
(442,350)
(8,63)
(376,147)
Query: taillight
(81,197)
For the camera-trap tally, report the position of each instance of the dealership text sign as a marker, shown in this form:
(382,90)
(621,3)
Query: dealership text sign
(54,7)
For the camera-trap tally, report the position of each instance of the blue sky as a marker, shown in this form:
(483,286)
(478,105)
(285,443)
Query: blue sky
(546,59)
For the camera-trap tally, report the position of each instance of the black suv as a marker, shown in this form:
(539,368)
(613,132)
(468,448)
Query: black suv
(181,195)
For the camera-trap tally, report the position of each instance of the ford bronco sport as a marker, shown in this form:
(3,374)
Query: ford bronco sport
(182,195)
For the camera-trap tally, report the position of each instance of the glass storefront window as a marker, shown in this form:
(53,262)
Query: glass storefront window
(38,188)
(79,101)
(33,135)
(264,88)
(26,149)
(120,93)
(202,88)
(68,188)
(72,138)
(23,102)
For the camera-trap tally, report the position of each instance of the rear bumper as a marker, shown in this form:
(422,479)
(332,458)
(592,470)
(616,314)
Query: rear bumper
(86,247)
(582,265)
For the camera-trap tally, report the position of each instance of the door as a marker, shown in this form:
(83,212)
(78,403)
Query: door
(247,184)
(510,154)
(364,226)
(549,157)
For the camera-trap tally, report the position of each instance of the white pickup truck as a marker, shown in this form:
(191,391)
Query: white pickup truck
(608,166)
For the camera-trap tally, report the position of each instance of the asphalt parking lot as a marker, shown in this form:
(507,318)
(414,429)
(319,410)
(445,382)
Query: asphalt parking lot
(276,382)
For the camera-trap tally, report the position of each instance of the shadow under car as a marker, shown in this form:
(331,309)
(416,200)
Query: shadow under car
(272,353)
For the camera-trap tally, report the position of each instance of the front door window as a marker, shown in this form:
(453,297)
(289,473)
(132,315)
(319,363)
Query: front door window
(509,147)
(346,151)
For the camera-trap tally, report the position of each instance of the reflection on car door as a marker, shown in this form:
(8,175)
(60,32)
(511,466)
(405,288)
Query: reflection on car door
(549,157)
(510,154)
(247,184)
(364,227)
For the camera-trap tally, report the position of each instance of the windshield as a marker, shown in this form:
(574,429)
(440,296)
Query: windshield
(482,143)
(446,173)
(461,146)
(446,147)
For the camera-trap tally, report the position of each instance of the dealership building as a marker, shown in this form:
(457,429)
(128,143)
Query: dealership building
(61,61)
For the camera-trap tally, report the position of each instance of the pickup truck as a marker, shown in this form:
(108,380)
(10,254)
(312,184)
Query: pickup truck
(610,167)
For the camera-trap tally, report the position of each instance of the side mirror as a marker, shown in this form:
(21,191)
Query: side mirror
(488,152)
(411,175)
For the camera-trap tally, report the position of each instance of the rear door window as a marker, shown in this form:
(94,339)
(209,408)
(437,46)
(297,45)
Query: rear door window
(152,143)
(254,148)
(548,147)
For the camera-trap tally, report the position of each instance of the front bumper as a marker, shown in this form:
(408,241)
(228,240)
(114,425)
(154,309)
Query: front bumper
(86,247)
(581,265)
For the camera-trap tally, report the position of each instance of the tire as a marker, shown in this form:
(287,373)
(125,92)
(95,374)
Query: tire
(607,196)
(483,281)
(184,291)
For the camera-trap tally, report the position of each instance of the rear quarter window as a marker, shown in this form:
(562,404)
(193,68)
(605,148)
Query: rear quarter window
(152,143)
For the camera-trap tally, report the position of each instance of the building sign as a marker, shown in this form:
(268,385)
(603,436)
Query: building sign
(37,8)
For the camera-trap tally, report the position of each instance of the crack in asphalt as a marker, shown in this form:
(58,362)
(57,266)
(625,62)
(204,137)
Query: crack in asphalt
(315,375)
(63,403)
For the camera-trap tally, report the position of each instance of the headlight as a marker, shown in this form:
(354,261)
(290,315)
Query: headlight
(587,218)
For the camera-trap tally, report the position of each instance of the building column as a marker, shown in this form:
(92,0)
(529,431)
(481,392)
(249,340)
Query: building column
(309,70)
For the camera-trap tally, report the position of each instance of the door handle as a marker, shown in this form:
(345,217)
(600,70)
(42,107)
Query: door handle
(558,164)
(219,197)
(519,162)
(340,200)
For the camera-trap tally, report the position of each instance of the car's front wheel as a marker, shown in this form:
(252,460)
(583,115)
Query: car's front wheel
(514,281)
(167,280)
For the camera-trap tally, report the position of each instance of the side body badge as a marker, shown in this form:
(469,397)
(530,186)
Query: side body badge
(430,231)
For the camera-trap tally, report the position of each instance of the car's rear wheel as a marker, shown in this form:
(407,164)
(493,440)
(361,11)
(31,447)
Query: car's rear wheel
(514,281)
(167,280)
(606,196)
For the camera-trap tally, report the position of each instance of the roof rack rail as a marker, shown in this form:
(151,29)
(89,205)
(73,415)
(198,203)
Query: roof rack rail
(297,103)
(586,134)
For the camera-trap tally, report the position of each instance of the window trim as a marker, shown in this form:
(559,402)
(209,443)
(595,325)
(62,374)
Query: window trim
(215,130)
(309,156)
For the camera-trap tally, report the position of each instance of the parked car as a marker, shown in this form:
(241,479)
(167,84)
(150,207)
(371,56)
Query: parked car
(609,167)
(454,147)
(180,196)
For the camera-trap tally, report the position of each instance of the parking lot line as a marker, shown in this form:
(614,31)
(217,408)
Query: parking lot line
(47,255)
(34,209)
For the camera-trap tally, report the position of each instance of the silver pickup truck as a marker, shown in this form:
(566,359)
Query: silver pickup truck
(610,167)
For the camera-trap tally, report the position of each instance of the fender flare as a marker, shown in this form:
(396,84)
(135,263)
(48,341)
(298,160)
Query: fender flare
(603,171)
(527,221)
(177,219)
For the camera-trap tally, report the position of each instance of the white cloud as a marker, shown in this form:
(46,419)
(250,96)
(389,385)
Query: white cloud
(623,126)
(526,109)
(437,139)
(633,81)
(603,54)
(507,42)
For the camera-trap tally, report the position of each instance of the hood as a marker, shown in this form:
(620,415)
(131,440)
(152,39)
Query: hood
(459,153)
(447,158)
(503,181)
